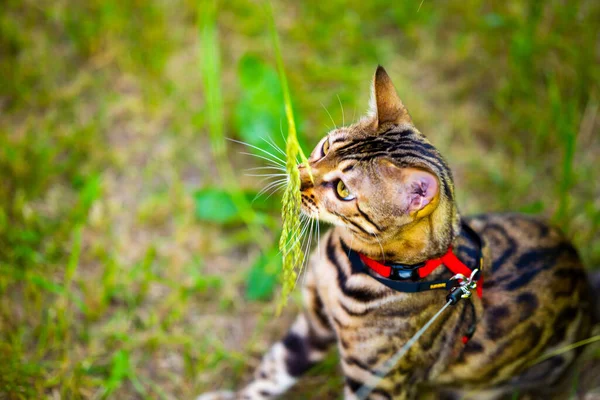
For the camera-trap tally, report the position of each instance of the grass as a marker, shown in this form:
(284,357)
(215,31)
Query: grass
(115,285)
(290,247)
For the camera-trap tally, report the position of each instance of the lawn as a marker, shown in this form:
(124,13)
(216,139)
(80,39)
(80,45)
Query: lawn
(134,262)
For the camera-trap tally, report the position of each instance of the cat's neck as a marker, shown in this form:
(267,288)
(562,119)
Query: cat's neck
(426,238)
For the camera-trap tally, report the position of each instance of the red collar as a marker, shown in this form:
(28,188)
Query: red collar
(421,271)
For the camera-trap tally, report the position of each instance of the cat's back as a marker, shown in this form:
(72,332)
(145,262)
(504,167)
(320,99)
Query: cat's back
(536,298)
(524,249)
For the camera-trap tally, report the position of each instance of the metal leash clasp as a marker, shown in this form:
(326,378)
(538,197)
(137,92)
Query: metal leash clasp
(464,289)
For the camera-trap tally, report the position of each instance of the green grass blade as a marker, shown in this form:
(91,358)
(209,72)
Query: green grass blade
(565,349)
(290,249)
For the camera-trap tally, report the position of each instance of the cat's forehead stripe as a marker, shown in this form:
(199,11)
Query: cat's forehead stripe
(407,147)
(344,164)
(366,150)
(348,167)
(338,139)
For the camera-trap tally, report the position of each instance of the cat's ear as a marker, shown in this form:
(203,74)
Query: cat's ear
(385,103)
(414,188)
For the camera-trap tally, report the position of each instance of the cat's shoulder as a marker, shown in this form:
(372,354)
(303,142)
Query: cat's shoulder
(524,228)
(522,247)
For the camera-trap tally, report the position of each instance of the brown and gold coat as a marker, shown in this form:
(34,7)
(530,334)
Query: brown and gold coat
(390,195)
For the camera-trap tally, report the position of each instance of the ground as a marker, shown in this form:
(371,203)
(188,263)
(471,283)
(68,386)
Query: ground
(115,285)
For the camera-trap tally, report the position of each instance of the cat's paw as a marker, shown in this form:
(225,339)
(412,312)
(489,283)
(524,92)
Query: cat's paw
(221,395)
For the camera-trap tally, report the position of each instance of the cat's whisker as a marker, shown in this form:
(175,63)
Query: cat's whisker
(267,178)
(270,161)
(330,117)
(316,229)
(301,263)
(305,249)
(304,264)
(351,240)
(268,175)
(268,190)
(310,239)
(318,238)
(307,226)
(342,107)
(258,148)
(294,239)
(270,186)
(312,236)
(300,219)
(299,227)
(302,235)
(276,188)
(381,247)
(269,167)
(303,217)
(271,143)
(281,131)
(273,162)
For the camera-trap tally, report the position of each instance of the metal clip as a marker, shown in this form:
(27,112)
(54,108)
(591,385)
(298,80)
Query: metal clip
(464,289)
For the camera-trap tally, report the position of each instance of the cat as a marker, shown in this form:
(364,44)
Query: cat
(391,198)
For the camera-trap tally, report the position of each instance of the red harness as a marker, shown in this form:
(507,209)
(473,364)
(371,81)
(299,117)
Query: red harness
(409,278)
(449,260)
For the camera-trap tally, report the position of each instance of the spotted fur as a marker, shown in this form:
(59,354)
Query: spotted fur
(536,294)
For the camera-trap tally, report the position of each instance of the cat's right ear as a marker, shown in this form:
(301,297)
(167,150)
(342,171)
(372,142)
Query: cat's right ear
(385,103)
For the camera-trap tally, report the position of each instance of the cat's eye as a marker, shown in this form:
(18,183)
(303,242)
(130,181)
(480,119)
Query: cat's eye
(343,192)
(325,148)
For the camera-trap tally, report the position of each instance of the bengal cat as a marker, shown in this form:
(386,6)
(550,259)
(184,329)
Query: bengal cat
(391,198)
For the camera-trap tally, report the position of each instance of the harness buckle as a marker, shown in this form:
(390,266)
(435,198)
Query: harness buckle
(397,274)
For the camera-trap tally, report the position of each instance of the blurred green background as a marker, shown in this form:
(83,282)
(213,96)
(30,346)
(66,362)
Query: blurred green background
(126,269)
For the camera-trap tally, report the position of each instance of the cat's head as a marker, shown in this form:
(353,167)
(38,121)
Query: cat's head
(380,175)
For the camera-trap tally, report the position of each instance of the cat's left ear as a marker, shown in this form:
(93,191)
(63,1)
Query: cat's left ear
(385,103)
(414,188)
